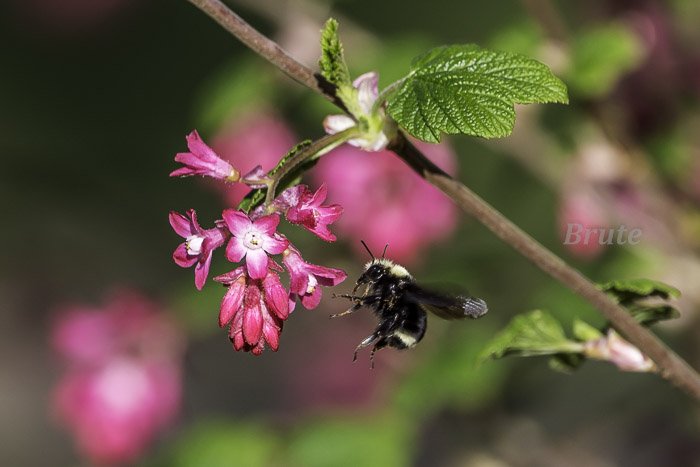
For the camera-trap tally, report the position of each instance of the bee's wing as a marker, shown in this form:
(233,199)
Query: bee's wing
(447,306)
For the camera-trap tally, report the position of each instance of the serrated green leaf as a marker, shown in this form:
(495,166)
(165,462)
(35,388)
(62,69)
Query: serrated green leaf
(629,290)
(585,332)
(467,89)
(291,153)
(600,57)
(332,62)
(648,315)
(529,334)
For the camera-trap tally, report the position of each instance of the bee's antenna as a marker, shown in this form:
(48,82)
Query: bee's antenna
(384,252)
(367,248)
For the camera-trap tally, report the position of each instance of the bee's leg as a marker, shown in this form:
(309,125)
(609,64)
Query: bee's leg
(352,309)
(366,342)
(359,303)
(381,343)
(384,330)
(348,296)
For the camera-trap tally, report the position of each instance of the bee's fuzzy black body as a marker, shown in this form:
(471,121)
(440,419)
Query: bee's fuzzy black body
(400,306)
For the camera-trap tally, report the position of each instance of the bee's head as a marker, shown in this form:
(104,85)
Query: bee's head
(374,271)
(378,269)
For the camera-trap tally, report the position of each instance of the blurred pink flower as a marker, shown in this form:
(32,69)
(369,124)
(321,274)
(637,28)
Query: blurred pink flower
(251,140)
(581,208)
(384,201)
(122,383)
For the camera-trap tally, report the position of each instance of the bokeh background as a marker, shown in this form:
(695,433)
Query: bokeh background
(96,98)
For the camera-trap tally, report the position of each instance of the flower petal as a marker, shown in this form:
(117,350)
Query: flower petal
(231,303)
(197,146)
(320,196)
(268,224)
(236,221)
(201,271)
(276,296)
(256,262)
(235,250)
(252,316)
(336,123)
(275,245)
(180,224)
(272,336)
(235,333)
(181,257)
(367,90)
(327,276)
(311,301)
(231,276)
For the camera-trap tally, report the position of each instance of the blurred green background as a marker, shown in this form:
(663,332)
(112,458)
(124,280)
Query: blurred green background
(95,103)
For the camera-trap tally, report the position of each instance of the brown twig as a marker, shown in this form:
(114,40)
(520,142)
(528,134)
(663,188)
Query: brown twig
(671,366)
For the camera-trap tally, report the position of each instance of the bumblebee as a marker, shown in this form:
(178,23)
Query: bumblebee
(401,304)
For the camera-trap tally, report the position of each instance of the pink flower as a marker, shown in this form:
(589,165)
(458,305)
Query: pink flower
(306,278)
(253,240)
(581,209)
(386,202)
(308,212)
(261,138)
(198,246)
(367,92)
(124,386)
(254,309)
(202,160)
(618,351)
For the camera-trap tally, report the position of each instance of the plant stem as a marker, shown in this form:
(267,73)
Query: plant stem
(671,366)
(316,149)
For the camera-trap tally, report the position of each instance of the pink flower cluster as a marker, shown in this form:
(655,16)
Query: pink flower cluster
(256,303)
(122,384)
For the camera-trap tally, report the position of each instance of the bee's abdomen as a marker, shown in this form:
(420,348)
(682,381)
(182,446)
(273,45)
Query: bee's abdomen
(411,328)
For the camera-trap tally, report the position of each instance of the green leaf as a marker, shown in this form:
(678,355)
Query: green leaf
(648,315)
(629,290)
(291,153)
(585,332)
(600,57)
(566,362)
(533,333)
(351,442)
(332,62)
(467,89)
(252,200)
